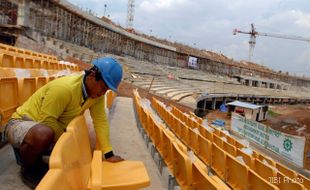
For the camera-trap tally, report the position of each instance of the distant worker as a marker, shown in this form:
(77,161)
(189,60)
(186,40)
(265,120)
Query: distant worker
(36,125)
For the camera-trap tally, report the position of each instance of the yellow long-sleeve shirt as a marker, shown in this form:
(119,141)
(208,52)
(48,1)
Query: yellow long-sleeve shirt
(59,101)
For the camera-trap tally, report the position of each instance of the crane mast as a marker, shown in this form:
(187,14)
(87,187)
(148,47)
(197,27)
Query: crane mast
(253,33)
(130,13)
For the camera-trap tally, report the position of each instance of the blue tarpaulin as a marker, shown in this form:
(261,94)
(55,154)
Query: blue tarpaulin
(218,122)
(223,108)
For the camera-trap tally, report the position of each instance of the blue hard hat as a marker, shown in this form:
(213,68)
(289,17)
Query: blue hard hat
(111,71)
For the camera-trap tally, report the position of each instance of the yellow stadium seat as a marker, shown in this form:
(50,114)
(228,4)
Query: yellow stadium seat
(264,170)
(20,51)
(200,178)
(232,150)
(66,156)
(218,141)
(193,140)
(34,54)
(218,161)
(37,64)
(45,64)
(53,65)
(7,72)
(19,62)
(51,78)
(54,179)
(258,183)
(235,171)
(151,126)
(6,60)
(3,47)
(262,158)
(12,49)
(184,132)
(286,183)
(205,133)
(286,171)
(28,52)
(105,174)
(41,81)
(28,63)
(246,158)
(26,87)
(166,150)
(304,181)
(239,145)
(182,167)
(8,98)
(231,140)
(204,150)
(158,130)
(114,176)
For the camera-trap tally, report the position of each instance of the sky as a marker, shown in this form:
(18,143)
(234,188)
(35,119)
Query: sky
(209,24)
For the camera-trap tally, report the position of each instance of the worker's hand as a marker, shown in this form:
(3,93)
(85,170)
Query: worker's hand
(115,158)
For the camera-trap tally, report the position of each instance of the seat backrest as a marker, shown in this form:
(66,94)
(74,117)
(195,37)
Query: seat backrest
(204,149)
(26,87)
(236,171)
(8,98)
(66,157)
(255,182)
(264,170)
(218,161)
(54,179)
(182,167)
(201,179)
(79,130)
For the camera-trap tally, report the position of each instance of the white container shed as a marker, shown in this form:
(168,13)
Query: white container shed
(249,110)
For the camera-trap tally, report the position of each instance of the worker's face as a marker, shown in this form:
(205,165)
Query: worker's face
(95,88)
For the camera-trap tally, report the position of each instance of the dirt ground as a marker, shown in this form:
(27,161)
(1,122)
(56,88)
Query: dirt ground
(292,119)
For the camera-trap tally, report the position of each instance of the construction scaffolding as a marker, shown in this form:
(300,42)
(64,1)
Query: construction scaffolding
(59,20)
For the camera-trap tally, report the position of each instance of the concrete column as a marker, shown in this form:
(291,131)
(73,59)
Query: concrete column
(259,83)
(213,103)
(23,13)
(205,104)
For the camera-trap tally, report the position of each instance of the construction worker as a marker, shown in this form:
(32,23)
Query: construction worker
(36,125)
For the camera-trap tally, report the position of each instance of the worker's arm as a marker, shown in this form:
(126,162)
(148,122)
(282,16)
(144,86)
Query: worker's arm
(53,104)
(102,129)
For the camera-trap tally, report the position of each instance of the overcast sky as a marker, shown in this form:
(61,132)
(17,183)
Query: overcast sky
(207,24)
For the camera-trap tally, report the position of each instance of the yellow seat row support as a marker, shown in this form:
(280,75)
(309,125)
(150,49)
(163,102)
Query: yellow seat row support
(80,169)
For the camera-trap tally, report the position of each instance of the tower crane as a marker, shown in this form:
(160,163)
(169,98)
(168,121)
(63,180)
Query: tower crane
(253,33)
(130,13)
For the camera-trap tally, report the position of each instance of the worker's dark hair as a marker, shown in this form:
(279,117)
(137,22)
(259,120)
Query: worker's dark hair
(97,73)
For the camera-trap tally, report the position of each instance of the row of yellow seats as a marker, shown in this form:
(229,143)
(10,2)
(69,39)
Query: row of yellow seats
(16,72)
(12,60)
(17,91)
(219,135)
(195,141)
(189,174)
(73,167)
(14,92)
(25,52)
